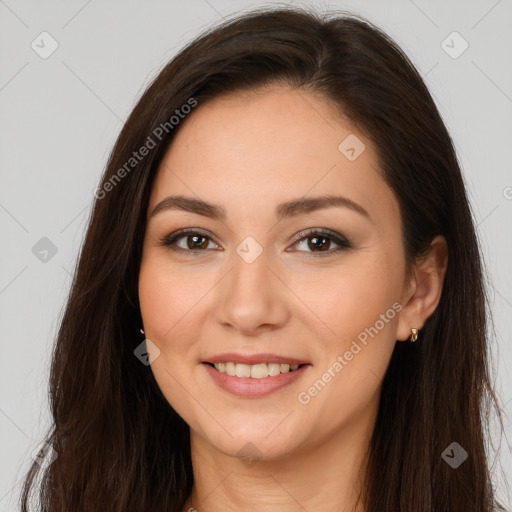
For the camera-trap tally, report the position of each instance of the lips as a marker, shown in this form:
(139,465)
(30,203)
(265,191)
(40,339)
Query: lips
(256,371)
(251,359)
(253,387)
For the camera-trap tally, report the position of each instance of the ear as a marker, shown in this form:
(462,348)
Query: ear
(422,292)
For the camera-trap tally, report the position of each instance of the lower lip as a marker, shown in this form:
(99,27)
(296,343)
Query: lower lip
(252,388)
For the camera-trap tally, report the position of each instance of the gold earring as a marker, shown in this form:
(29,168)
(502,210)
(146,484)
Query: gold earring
(142,331)
(414,334)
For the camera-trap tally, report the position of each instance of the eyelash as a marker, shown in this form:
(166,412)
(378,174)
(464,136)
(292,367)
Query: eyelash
(340,240)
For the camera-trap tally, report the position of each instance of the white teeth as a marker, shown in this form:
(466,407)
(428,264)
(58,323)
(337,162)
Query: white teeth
(242,370)
(258,371)
(255,371)
(274,369)
(230,369)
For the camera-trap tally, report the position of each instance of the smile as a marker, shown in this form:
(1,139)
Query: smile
(255,371)
(238,379)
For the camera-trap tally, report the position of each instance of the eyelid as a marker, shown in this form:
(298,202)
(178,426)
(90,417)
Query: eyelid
(305,233)
(170,239)
(342,242)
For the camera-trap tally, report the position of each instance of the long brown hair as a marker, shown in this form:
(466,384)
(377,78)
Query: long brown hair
(120,445)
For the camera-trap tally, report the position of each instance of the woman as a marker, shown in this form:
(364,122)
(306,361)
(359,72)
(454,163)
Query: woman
(279,302)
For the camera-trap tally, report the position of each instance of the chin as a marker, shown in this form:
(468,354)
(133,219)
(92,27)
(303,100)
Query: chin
(252,450)
(259,443)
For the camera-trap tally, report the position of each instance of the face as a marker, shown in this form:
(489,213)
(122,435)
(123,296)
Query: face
(315,283)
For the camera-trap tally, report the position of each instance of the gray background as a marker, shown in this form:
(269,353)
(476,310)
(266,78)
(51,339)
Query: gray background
(60,117)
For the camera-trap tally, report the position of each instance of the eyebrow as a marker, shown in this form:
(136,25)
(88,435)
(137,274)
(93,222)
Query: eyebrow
(283,211)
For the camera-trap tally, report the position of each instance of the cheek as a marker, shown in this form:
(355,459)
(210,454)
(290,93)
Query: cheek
(168,300)
(158,302)
(358,307)
(349,299)
(167,303)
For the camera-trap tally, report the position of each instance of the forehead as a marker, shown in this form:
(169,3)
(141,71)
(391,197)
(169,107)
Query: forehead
(269,146)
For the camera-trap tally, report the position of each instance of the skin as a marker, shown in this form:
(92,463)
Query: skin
(249,152)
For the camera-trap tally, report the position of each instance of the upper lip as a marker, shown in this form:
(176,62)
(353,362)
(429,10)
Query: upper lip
(232,357)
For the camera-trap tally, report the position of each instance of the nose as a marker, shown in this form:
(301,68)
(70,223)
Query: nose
(252,297)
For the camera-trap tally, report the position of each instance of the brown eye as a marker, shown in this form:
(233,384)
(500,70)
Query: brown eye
(187,241)
(196,241)
(319,241)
